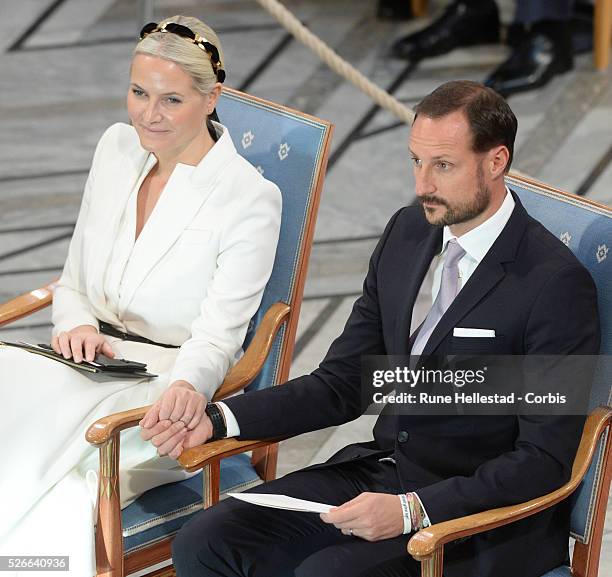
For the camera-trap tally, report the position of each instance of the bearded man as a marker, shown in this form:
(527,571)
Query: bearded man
(470,272)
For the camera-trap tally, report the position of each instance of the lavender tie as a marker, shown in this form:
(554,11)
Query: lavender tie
(449,287)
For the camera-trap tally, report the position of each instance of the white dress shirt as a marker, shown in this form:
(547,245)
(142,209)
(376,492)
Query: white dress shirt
(476,244)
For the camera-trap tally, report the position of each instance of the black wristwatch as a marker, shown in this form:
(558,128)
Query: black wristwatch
(215,414)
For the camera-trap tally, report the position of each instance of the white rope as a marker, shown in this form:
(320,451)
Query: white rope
(335,62)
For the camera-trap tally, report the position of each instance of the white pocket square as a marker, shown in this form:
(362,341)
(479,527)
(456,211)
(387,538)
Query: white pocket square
(481,333)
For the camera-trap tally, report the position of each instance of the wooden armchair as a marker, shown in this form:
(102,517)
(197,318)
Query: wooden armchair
(586,227)
(291,149)
(591,472)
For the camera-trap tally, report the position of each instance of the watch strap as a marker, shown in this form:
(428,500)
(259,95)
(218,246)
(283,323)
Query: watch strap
(215,414)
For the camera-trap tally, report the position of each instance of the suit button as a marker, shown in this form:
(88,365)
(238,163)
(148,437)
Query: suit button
(402,436)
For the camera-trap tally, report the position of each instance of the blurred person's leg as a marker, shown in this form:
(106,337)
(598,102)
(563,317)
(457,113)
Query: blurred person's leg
(533,11)
(463,23)
(541,46)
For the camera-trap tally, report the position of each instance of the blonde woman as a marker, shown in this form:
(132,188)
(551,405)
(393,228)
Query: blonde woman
(172,249)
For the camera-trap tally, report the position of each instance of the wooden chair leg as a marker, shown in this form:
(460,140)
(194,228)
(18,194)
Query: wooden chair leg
(211,476)
(264,462)
(109,540)
(433,566)
(419,8)
(602,28)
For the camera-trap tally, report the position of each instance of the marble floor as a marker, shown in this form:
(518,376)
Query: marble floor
(64,68)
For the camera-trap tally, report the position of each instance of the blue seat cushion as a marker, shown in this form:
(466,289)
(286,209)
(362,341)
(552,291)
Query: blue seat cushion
(559,572)
(162,511)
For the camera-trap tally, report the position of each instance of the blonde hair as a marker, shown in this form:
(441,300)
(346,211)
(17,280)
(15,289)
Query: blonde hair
(190,57)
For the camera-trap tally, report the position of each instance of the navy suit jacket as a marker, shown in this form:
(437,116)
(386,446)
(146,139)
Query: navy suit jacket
(539,299)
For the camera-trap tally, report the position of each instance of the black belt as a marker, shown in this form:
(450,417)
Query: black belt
(111,331)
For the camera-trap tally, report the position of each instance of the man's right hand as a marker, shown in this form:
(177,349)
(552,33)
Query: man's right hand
(82,342)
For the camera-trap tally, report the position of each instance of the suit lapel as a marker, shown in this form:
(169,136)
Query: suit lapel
(482,281)
(113,188)
(183,196)
(487,275)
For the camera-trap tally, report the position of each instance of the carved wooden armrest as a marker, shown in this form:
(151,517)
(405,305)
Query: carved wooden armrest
(103,429)
(243,372)
(428,541)
(26,304)
(198,457)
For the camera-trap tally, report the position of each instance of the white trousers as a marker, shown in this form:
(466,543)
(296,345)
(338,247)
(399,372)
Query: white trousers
(48,471)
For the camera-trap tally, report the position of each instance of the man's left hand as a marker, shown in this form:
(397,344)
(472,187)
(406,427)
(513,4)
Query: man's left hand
(370,516)
(179,402)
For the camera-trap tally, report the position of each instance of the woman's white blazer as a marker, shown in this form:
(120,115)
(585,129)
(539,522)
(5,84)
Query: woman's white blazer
(198,270)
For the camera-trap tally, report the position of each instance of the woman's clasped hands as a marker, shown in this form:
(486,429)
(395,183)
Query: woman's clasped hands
(177,421)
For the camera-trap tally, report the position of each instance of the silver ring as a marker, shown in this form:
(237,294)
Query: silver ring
(351,532)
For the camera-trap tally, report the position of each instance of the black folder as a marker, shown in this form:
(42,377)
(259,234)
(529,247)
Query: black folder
(102,364)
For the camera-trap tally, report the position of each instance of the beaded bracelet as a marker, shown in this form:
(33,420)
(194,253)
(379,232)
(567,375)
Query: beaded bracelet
(418,516)
(413,513)
(405,513)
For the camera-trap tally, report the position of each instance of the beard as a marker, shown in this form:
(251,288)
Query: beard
(460,212)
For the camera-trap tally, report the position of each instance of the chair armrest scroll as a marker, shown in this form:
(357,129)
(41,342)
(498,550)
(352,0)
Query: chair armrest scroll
(248,367)
(191,459)
(103,429)
(198,457)
(425,542)
(26,304)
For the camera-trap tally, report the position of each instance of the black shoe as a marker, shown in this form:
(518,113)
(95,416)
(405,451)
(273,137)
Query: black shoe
(545,52)
(463,23)
(394,9)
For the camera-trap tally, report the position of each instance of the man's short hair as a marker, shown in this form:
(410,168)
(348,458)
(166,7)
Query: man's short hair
(491,120)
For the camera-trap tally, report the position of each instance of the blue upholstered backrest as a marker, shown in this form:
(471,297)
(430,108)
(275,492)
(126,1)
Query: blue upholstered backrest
(287,148)
(587,230)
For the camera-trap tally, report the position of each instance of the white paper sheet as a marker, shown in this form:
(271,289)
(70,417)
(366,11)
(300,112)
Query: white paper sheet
(282,502)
